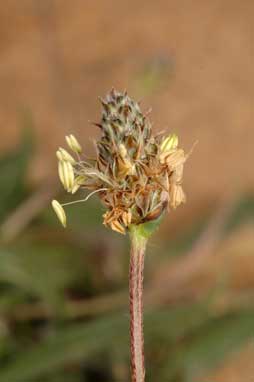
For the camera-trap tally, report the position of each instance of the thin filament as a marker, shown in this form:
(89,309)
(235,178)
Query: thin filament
(84,200)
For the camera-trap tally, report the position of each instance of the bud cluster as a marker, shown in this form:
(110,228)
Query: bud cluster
(136,175)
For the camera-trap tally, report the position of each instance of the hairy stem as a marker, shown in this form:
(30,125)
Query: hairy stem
(138,245)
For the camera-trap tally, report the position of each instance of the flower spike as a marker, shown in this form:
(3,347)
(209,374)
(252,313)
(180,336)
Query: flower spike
(135,174)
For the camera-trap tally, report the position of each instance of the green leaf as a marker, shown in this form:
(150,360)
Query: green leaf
(83,341)
(242,212)
(216,341)
(40,270)
(145,230)
(68,345)
(208,346)
(196,342)
(13,167)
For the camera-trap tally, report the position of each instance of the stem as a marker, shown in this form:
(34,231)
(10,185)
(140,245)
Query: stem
(137,256)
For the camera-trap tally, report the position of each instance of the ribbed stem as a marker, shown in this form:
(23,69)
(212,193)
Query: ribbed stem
(137,256)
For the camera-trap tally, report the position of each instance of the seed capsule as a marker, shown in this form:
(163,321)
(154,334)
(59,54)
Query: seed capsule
(59,212)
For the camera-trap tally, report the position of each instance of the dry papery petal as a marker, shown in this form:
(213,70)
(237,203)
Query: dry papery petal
(116,226)
(176,176)
(125,167)
(126,218)
(177,196)
(175,159)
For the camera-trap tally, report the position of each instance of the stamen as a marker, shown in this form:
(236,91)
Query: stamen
(84,200)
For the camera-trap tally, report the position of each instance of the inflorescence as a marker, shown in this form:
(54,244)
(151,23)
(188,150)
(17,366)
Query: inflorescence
(135,174)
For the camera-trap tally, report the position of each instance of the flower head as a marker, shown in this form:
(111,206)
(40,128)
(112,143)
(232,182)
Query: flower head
(136,175)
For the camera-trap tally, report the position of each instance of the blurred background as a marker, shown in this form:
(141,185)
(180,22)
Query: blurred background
(63,293)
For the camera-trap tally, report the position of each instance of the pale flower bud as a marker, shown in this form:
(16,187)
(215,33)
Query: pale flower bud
(66,175)
(78,181)
(73,143)
(59,212)
(169,143)
(63,155)
(75,188)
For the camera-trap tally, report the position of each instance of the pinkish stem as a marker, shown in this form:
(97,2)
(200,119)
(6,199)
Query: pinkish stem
(138,245)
